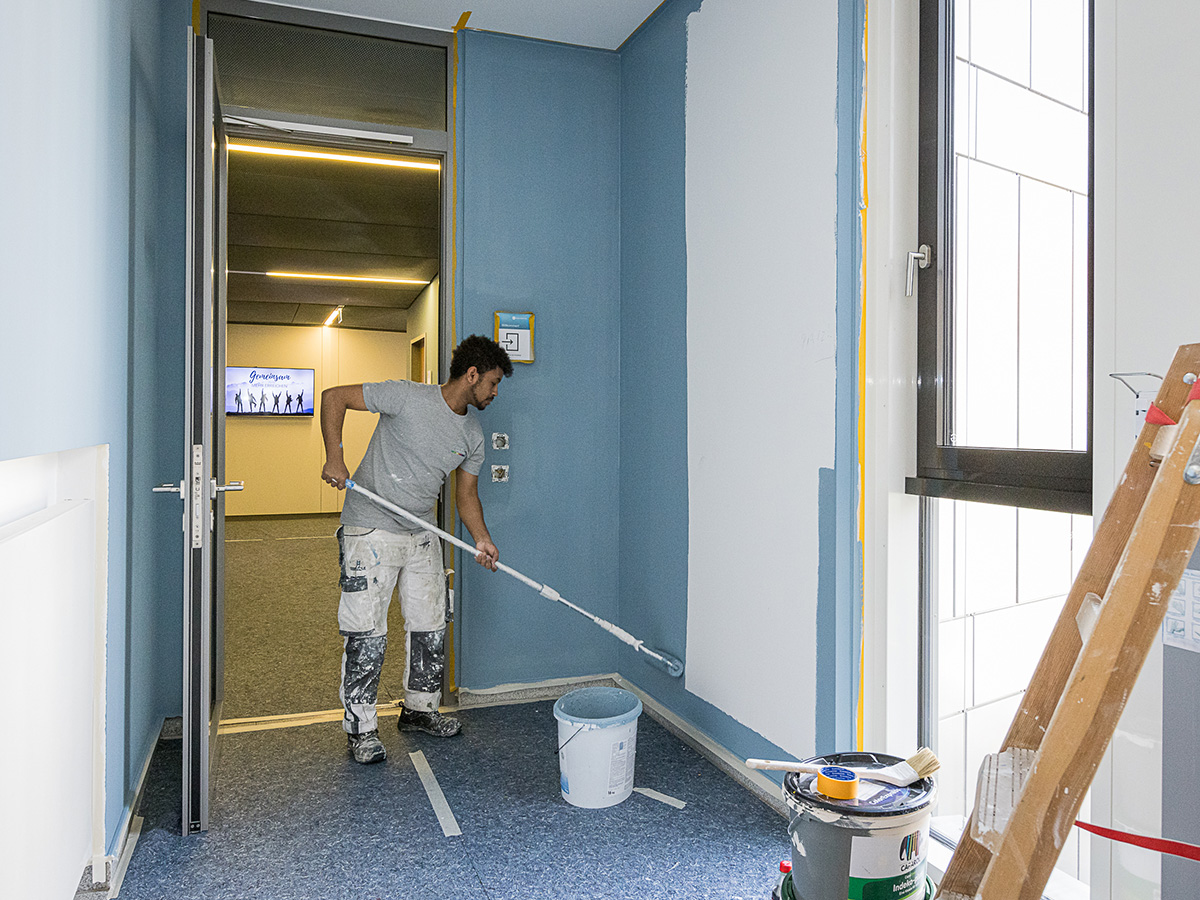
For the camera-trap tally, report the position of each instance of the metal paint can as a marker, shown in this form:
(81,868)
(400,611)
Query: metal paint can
(788,892)
(872,847)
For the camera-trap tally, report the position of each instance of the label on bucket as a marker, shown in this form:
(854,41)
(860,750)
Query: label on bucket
(620,766)
(889,866)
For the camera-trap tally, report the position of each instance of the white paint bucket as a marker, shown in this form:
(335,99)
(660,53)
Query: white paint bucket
(597,738)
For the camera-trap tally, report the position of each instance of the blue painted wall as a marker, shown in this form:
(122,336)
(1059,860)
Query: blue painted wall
(91,236)
(539,169)
(654,484)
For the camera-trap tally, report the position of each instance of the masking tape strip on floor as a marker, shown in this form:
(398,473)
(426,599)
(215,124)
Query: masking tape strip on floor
(436,797)
(661,798)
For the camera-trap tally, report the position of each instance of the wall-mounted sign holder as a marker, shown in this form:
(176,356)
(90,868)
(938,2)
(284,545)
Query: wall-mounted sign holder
(514,332)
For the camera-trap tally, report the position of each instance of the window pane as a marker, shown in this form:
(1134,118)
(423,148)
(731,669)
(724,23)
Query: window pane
(992,626)
(985,388)
(955,785)
(1017,376)
(1027,133)
(1079,325)
(952,668)
(1004,654)
(1045,550)
(1003,357)
(1046,317)
(1058,65)
(988,553)
(1000,38)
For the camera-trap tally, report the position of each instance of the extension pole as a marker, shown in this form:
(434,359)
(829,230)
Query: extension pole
(672,665)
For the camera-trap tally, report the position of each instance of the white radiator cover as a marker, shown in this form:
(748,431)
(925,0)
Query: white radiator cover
(53,572)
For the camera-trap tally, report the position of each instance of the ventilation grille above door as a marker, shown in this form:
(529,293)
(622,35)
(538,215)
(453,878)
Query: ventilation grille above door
(329,74)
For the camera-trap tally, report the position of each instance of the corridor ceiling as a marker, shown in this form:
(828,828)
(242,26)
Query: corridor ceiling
(317,216)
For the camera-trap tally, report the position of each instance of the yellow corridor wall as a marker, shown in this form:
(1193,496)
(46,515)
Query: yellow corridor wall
(280,459)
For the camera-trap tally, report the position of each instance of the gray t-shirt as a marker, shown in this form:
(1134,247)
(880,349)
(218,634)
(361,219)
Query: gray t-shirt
(418,441)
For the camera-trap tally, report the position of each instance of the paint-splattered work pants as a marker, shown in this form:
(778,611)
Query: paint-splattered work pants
(372,560)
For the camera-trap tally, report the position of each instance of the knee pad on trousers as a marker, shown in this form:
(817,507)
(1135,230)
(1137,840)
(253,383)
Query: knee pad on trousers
(363,665)
(426,660)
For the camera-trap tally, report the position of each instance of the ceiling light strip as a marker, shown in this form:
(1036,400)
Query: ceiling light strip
(337,157)
(321,276)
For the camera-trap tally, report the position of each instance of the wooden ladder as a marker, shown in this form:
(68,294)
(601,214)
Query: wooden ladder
(1030,792)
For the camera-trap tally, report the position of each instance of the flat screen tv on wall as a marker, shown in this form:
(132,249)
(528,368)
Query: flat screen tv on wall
(259,391)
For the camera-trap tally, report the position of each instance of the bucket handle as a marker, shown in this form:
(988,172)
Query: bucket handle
(568,740)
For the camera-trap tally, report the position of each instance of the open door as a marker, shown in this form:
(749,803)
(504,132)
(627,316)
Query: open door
(203,490)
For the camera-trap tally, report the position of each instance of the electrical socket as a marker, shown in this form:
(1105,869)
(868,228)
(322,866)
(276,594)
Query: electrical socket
(499,440)
(499,473)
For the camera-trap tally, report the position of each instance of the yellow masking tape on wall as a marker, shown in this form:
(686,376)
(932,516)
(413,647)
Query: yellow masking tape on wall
(862,383)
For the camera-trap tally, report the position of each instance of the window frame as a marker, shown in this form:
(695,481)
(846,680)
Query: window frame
(1056,480)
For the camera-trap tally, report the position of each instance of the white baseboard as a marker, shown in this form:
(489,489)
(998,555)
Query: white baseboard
(528,692)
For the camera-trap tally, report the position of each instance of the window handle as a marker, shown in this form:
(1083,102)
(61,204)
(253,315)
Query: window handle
(921,257)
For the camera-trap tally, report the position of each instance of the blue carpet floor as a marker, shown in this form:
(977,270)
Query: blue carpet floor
(294,817)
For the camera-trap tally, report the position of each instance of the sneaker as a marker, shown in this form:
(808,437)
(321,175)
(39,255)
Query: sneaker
(366,747)
(430,722)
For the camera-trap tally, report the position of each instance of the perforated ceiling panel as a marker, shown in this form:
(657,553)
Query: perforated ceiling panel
(329,74)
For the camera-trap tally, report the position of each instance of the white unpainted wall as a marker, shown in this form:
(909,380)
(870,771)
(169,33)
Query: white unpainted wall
(1146,232)
(53,578)
(761,201)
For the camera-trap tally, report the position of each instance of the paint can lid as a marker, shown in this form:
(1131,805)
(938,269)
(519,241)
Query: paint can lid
(874,798)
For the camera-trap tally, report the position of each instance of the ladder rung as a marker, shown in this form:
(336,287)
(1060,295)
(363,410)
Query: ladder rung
(1001,780)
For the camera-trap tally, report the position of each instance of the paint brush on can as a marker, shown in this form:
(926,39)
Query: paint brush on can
(920,765)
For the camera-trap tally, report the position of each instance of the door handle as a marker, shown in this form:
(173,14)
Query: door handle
(919,257)
(222,488)
(170,488)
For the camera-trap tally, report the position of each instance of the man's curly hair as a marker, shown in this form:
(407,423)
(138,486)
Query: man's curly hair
(482,353)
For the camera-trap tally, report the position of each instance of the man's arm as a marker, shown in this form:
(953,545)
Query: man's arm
(334,403)
(470,510)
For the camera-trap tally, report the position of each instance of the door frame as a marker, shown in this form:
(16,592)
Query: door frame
(202,490)
(434,145)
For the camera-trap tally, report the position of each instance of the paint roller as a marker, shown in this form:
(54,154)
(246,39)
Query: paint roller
(672,665)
